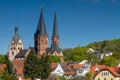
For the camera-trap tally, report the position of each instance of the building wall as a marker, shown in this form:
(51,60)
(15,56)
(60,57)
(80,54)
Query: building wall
(59,70)
(41,44)
(105,75)
(14,49)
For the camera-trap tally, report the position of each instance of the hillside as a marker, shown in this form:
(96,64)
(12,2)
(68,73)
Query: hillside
(106,45)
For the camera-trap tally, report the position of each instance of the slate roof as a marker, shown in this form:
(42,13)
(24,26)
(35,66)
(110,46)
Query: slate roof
(54,47)
(41,29)
(55,27)
(21,54)
(16,36)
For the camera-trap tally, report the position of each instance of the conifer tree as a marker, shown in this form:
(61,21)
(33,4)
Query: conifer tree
(44,67)
(31,66)
(9,73)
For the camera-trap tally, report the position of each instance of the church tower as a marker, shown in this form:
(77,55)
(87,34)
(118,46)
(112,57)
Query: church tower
(55,49)
(41,36)
(15,45)
(55,36)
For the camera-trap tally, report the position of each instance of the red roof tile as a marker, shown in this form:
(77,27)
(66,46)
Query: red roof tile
(92,68)
(2,67)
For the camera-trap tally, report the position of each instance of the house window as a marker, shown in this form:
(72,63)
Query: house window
(98,78)
(102,74)
(104,78)
(106,73)
(58,70)
(111,78)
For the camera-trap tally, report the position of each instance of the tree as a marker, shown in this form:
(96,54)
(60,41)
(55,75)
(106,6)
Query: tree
(116,55)
(109,61)
(79,53)
(68,54)
(31,66)
(53,58)
(44,67)
(9,72)
(92,58)
(88,75)
(2,59)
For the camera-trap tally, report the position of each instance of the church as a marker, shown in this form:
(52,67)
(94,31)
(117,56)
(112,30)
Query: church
(16,46)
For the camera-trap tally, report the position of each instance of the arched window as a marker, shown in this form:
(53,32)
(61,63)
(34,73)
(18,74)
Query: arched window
(13,53)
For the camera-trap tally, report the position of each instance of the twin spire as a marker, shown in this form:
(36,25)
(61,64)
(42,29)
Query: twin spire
(41,29)
(55,27)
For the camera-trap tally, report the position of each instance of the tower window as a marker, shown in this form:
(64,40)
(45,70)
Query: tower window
(13,53)
(42,40)
(11,48)
(14,48)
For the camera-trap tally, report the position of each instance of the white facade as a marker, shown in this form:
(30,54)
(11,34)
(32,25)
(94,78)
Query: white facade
(59,70)
(14,49)
(15,45)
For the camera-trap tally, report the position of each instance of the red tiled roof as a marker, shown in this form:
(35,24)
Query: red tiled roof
(112,70)
(92,68)
(75,66)
(2,67)
(19,71)
(69,73)
(53,65)
(18,63)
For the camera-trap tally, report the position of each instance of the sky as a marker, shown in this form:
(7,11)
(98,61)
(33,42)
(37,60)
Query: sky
(80,22)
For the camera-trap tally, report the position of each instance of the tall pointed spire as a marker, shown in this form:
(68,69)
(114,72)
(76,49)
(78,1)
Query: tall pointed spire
(41,29)
(16,36)
(55,27)
(16,29)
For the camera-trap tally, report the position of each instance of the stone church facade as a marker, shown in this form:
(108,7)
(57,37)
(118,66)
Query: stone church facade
(15,45)
(17,50)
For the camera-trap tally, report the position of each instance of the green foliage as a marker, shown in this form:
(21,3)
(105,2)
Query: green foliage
(54,58)
(110,61)
(35,67)
(62,78)
(88,75)
(5,76)
(44,67)
(79,53)
(9,72)
(107,45)
(116,55)
(2,59)
(92,58)
(31,66)
(68,54)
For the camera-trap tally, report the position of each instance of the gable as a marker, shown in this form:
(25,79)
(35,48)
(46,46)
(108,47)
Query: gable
(59,69)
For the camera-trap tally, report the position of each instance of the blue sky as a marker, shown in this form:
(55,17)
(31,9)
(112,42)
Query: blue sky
(79,21)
